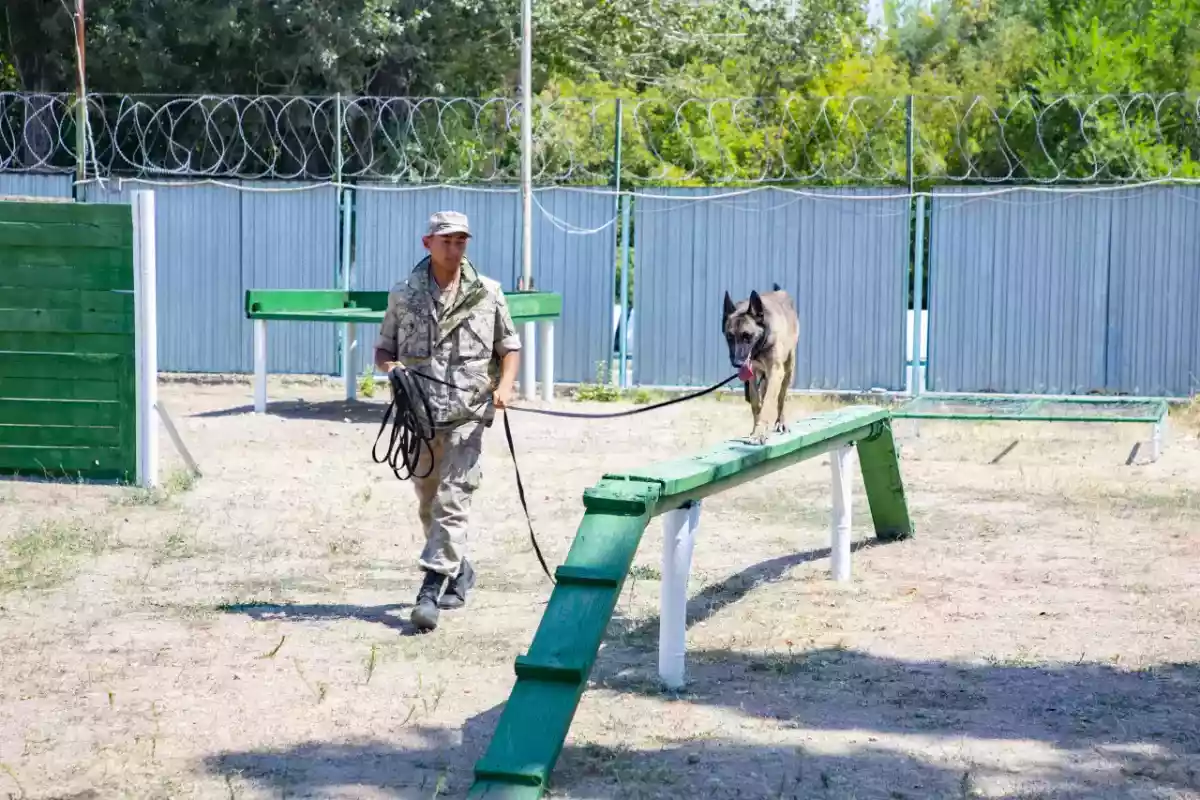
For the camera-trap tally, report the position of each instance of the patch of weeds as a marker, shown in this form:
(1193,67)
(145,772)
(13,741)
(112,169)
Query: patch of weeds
(176,546)
(602,391)
(44,555)
(645,572)
(366,382)
(1022,658)
(345,546)
(178,482)
(642,396)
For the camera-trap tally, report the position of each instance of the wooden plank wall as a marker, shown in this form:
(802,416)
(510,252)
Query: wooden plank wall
(67,365)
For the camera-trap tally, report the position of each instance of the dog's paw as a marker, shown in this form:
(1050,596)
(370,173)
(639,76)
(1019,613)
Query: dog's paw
(758,436)
(782,427)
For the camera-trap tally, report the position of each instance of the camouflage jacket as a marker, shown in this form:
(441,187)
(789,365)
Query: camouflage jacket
(459,339)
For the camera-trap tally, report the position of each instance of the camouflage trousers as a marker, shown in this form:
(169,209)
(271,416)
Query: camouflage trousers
(444,496)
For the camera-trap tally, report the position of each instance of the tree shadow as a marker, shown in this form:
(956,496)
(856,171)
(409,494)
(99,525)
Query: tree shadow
(384,614)
(441,764)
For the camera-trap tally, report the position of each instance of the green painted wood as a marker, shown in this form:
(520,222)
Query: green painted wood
(127,397)
(55,436)
(100,218)
(62,388)
(61,462)
(67,340)
(25,320)
(66,299)
(552,675)
(68,268)
(726,460)
(60,412)
(879,463)
(53,234)
(67,343)
(330,305)
(80,366)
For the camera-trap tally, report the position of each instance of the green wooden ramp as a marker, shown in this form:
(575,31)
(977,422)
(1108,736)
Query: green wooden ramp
(552,675)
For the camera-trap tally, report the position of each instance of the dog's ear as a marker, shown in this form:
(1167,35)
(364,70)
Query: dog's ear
(777,288)
(728,304)
(756,306)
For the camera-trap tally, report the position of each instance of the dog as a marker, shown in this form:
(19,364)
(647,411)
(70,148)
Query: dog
(762,333)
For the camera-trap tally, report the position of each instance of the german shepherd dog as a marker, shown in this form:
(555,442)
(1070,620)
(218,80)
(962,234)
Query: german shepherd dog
(762,333)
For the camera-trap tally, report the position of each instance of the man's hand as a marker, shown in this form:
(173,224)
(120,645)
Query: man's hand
(501,396)
(508,376)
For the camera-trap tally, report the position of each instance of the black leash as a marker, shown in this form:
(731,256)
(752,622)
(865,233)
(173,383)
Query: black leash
(413,429)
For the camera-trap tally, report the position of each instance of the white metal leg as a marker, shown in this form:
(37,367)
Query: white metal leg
(1156,439)
(146,344)
(260,365)
(679,538)
(349,350)
(529,360)
(840,461)
(546,351)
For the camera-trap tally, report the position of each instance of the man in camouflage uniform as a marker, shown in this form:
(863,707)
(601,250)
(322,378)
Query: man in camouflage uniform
(449,322)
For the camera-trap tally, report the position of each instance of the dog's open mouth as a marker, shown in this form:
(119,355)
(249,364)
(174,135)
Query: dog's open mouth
(746,372)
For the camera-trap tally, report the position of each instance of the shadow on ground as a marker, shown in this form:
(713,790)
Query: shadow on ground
(389,615)
(441,765)
(1140,729)
(360,412)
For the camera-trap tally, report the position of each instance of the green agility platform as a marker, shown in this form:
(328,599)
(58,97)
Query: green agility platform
(552,675)
(352,308)
(1150,411)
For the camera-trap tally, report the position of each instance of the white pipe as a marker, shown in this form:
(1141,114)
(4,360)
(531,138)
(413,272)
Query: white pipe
(146,346)
(351,349)
(260,365)
(839,527)
(546,351)
(679,539)
(529,360)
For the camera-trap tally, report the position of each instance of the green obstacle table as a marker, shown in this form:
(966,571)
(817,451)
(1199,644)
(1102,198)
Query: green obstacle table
(552,675)
(351,308)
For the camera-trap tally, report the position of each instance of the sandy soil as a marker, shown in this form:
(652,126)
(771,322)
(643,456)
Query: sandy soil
(245,635)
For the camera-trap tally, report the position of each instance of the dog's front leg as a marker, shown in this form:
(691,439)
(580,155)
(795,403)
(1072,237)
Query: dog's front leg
(766,403)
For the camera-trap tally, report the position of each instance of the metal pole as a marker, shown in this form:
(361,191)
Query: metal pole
(625,203)
(527,143)
(81,103)
(618,271)
(918,372)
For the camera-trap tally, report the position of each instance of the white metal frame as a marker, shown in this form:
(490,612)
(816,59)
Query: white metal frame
(146,340)
(145,302)
(679,539)
(531,348)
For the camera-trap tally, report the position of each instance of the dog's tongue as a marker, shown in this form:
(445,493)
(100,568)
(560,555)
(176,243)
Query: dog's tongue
(746,372)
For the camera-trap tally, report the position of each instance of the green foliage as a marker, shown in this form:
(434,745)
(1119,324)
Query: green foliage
(720,92)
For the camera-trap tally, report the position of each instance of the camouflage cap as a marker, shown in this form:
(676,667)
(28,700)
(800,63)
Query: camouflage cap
(444,223)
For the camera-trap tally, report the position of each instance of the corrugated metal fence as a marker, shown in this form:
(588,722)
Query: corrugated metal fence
(1048,293)
(216,241)
(1031,292)
(841,256)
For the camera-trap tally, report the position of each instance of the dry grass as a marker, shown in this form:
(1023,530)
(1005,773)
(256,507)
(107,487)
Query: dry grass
(246,635)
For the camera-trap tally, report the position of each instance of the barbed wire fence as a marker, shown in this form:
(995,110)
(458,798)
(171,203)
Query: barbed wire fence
(733,142)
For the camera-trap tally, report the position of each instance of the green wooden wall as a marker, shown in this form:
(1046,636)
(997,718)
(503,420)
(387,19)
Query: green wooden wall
(67,365)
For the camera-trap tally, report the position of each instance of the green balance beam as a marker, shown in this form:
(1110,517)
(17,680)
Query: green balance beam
(331,305)
(552,675)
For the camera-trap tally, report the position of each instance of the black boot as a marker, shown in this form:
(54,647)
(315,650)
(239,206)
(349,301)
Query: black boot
(425,614)
(456,591)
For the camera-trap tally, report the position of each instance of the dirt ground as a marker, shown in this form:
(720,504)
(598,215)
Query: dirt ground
(245,635)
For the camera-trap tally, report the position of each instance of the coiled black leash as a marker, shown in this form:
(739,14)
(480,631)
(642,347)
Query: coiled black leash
(413,429)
